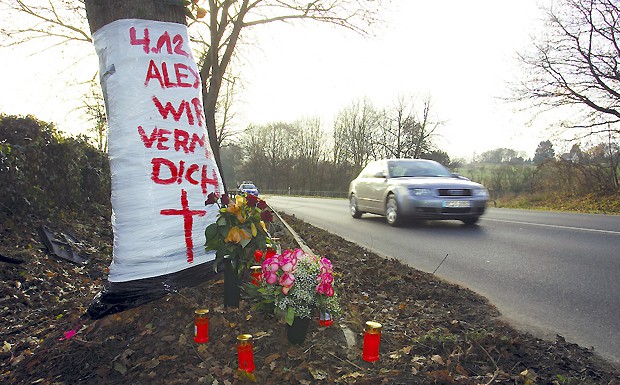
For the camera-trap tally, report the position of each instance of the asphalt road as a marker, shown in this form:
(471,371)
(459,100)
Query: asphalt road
(548,273)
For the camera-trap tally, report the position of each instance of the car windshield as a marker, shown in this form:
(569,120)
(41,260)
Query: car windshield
(416,168)
(248,186)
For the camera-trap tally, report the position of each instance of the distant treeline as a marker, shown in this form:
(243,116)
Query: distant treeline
(299,158)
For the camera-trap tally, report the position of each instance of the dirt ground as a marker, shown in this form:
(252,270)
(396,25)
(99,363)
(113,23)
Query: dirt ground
(434,332)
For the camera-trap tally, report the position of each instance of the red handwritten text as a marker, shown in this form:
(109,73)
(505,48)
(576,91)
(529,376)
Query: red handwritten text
(184,107)
(180,74)
(181,139)
(162,42)
(165,172)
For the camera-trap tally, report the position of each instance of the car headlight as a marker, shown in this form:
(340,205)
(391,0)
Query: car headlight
(419,191)
(481,193)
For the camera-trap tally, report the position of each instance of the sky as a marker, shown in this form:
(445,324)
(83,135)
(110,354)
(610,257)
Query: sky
(460,54)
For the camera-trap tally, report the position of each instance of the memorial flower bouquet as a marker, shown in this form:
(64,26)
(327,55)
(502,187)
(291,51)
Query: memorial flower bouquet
(296,283)
(240,230)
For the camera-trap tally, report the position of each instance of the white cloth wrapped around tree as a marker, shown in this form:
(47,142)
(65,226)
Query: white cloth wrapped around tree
(160,158)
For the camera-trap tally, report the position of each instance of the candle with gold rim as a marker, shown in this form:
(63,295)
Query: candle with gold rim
(201,326)
(257,274)
(372,340)
(245,352)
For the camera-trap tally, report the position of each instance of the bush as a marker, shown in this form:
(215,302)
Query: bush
(43,172)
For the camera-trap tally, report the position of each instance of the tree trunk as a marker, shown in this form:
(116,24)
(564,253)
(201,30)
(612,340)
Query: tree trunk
(102,12)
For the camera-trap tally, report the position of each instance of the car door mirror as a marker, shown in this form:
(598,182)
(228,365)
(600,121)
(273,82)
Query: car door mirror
(380,174)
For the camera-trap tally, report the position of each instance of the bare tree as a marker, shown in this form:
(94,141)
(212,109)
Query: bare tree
(225,112)
(94,110)
(575,65)
(425,130)
(310,150)
(410,128)
(355,131)
(61,22)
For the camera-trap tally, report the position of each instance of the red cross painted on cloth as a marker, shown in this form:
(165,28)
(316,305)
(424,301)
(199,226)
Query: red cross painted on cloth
(188,221)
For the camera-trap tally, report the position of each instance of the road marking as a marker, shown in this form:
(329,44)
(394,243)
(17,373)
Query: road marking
(555,226)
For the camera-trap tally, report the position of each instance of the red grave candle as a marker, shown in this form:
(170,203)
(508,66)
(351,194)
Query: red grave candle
(257,274)
(325,319)
(245,352)
(372,340)
(201,326)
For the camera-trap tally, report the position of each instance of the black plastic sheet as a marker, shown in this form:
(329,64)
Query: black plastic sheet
(119,296)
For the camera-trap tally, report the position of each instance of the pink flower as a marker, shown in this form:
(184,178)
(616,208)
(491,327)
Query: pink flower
(286,281)
(287,260)
(326,265)
(69,334)
(270,264)
(325,288)
(298,253)
(270,278)
(325,278)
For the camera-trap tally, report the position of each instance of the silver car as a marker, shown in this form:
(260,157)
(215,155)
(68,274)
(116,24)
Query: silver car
(415,188)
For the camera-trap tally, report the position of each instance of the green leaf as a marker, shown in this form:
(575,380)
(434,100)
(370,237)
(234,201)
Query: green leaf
(290,316)
(189,14)
(221,221)
(244,242)
(211,231)
(220,253)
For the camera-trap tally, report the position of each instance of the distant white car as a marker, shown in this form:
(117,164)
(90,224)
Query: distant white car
(415,188)
(248,188)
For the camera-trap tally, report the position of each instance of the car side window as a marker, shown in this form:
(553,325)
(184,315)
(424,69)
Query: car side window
(372,170)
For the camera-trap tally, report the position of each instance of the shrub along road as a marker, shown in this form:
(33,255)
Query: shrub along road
(547,272)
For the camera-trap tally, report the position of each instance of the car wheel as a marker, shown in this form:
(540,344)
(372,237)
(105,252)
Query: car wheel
(470,221)
(355,213)
(392,215)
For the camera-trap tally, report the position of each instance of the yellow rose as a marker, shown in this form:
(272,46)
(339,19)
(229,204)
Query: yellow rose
(233,236)
(236,234)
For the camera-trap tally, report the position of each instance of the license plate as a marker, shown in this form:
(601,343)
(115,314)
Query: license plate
(456,204)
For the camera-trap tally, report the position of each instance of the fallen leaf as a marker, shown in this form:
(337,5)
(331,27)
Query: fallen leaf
(272,357)
(437,358)
(120,368)
(167,358)
(246,376)
(168,338)
(318,374)
(461,370)
(182,339)
(152,364)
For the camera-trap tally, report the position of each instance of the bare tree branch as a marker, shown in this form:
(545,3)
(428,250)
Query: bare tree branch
(575,64)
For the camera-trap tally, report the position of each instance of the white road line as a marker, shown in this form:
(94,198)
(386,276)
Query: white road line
(554,226)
